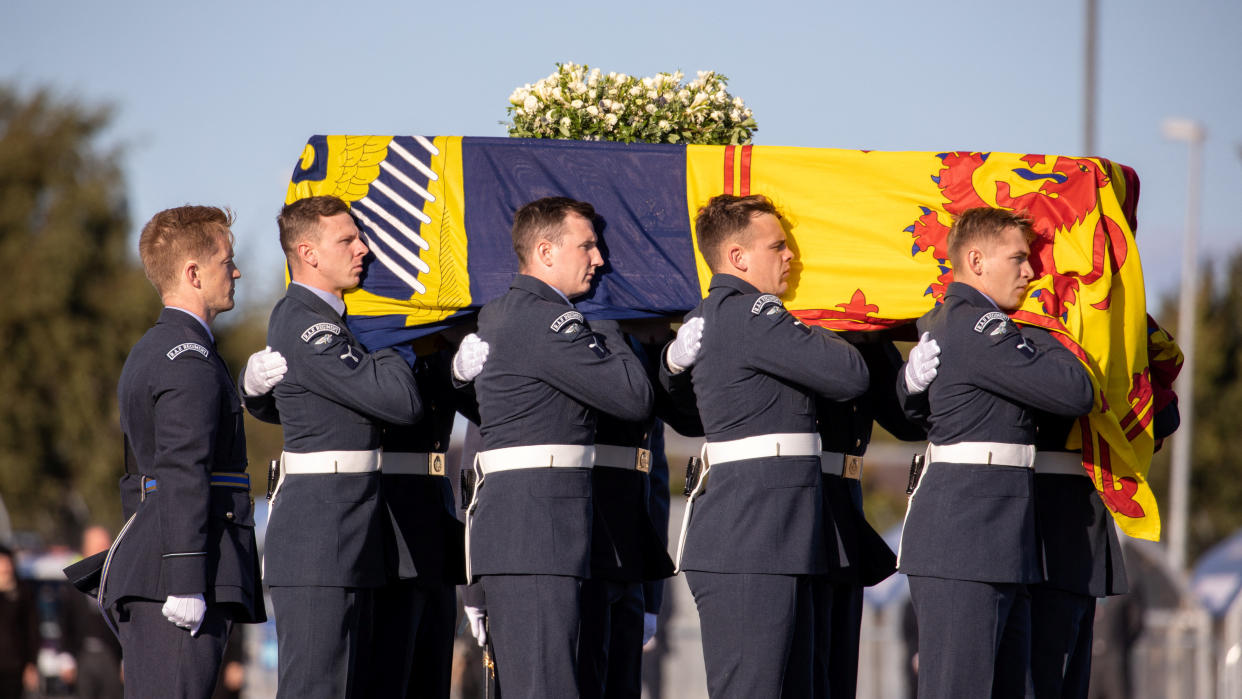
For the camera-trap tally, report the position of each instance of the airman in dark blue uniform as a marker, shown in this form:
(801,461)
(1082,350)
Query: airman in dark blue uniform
(546,377)
(185,567)
(969,544)
(858,555)
(416,611)
(1082,555)
(325,537)
(754,531)
(627,550)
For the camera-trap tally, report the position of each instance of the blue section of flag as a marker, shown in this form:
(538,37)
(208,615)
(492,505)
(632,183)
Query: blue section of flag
(391,245)
(639,192)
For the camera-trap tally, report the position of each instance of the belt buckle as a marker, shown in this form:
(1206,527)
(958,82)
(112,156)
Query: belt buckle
(853,467)
(642,460)
(435,464)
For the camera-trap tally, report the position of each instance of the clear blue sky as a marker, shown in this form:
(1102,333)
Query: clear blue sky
(215,100)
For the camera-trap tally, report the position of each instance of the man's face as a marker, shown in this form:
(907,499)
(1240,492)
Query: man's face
(219,275)
(1006,272)
(767,255)
(574,261)
(340,251)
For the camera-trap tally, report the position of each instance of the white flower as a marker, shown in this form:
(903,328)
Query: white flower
(652,94)
(618,106)
(719,97)
(593,94)
(648,83)
(593,110)
(557,94)
(550,115)
(636,91)
(651,108)
(565,121)
(530,103)
(576,104)
(717,116)
(735,115)
(611,119)
(737,102)
(613,92)
(683,95)
(663,124)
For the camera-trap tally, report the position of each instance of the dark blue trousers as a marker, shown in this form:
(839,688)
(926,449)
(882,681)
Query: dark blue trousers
(838,623)
(411,652)
(1061,633)
(321,632)
(757,633)
(162,659)
(974,637)
(610,644)
(532,622)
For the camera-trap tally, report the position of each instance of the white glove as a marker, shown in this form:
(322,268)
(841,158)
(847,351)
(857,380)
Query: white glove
(469,360)
(921,367)
(186,611)
(684,349)
(649,627)
(264,370)
(478,624)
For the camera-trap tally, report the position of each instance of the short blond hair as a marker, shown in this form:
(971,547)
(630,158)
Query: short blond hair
(176,235)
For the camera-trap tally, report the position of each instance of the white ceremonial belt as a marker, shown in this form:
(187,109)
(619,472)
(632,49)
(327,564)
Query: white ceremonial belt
(628,458)
(764,445)
(1063,463)
(409,463)
(330,462)
(992,453)
(537,456)
(844,465)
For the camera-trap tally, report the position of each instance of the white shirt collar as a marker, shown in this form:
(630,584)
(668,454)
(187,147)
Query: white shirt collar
(332,300)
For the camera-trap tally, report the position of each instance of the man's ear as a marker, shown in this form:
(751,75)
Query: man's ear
(308,255)
(543,252)
(190,273)
(974,261)
(735,256)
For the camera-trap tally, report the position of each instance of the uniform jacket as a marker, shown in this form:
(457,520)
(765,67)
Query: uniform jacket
(862,556)
(423,537)
(327,529)
(547,375)
(759,372)
(976,521)
(182,420)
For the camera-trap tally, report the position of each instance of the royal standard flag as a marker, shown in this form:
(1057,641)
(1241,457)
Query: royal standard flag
(868,228)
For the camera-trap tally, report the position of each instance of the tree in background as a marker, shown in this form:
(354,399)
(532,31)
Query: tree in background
(1215,458)
(75,302)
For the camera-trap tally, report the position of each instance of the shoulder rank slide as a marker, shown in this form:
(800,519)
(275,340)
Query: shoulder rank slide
(187,347)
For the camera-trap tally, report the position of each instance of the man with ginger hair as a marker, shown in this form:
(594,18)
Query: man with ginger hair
(185,568)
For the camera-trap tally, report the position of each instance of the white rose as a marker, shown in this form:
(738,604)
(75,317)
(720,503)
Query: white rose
(737,102)
(593,110)
(605,103)
(717,116)
(557,94)
(652,94)
(735,115)
(576,104)
(683,95)
(612,92)
(593,95)
(636,91)
(648,83)
(618,106)
(565,121)
(719,97)
(663,124)
(699,99)
(530,103)
(651,109)
(611,120)
(550,115)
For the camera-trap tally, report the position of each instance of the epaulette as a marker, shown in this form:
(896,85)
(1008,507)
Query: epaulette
(187,347)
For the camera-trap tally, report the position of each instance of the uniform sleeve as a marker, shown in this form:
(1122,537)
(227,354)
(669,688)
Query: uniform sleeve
(377,384)
(884,363)
(819,360)
(916,406)
(187,419)
(596,368)
(1031,368)
(261,407)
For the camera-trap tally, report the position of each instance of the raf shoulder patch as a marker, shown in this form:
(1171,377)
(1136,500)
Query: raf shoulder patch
(767,301)
(568,322)
(187,347)
(991,317)
(318,329)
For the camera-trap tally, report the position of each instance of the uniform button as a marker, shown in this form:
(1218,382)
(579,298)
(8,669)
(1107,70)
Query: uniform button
(858,442)
(228,516)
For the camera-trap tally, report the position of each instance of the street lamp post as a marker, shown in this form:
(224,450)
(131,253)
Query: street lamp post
(1193,134)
